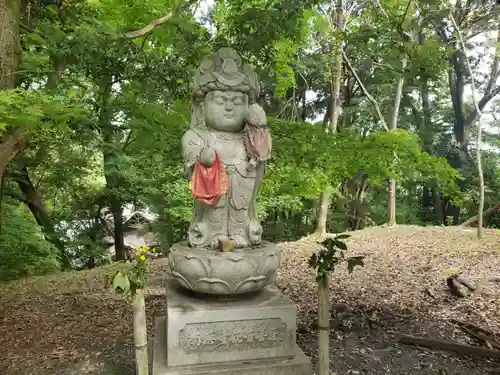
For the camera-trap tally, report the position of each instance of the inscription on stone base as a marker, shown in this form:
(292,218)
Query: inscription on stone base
(235,335)
(205,331)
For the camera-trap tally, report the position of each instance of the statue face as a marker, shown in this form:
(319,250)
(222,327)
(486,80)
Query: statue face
(226,110)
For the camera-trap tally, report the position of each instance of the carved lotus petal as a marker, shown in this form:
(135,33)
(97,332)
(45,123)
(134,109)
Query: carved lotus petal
(270,264)
(182,280)
(213,272)
(250,284)
(213,286)
(239,269)
(186,264)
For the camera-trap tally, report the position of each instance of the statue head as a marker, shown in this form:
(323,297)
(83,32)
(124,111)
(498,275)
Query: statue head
(224,88)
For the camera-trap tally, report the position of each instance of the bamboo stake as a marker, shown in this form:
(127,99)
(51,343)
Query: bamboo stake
(323,327)
(140,333)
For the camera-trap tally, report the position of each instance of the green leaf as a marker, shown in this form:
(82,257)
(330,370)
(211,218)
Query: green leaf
(340,245)
(353,262)
(121,283)
(342,236)
(312,261)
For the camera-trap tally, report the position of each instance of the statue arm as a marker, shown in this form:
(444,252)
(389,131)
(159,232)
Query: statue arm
(192,145)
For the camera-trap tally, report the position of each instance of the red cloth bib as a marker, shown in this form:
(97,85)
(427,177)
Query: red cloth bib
(209,183)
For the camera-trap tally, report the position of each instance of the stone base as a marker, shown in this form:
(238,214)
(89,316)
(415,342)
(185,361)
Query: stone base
(298,365)
(203,330)
(254,335)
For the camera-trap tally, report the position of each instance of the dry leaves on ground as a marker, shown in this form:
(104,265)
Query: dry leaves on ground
(403,265)
(51,324)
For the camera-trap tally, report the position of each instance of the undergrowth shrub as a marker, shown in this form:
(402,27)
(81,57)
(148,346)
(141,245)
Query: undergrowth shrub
(23,248)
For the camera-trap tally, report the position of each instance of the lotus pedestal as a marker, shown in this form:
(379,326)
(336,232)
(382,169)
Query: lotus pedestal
(225,317)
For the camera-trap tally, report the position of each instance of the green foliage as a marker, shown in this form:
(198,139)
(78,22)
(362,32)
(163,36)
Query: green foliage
(305,159)
(36,111)
(24,250)
(104,114)
(284,51)
(127,281)
(332,255)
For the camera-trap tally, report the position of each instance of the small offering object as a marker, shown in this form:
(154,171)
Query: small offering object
(226,246)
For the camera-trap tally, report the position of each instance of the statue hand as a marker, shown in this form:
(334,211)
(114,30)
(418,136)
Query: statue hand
(207,156)
(251,164)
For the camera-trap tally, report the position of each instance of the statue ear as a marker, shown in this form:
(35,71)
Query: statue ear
(197,114)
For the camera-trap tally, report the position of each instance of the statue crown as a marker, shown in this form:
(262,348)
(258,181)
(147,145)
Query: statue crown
(224,70)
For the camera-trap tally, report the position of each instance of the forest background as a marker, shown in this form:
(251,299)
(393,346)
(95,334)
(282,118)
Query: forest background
(369,103)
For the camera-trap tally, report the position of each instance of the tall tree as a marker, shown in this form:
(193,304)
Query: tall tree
(392,126)
(11,140)
(337,23)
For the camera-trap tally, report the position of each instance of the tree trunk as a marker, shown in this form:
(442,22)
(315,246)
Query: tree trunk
(53,77)
(110,173)
(323,327)
(438,206)
(10,42)
(10,55)
(358,212)
(486,215)
(140,333)
(338,19)
(37,206)
(11,144)
(391,209)
(456,87)
(426,204)
(34,200)
(2,189)
(322,217)
(117,212)
(481,181)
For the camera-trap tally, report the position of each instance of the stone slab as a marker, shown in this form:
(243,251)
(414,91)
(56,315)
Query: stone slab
(298,365)
(202,331)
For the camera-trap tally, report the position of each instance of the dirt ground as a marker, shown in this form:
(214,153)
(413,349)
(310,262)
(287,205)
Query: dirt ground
(72,324)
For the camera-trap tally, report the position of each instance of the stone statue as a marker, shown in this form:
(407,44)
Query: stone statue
(223,316)
(225,153)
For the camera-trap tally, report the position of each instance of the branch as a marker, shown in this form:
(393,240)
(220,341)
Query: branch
(378,5)
(365,91)
(128,141)
(16,196)
(415,110)
(158,22)
(491,91)
(474,115)
(448,345)
(495,66)
(486,214)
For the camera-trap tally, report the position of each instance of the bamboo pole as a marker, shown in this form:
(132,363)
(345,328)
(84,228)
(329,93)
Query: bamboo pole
(323,327)
(140,333)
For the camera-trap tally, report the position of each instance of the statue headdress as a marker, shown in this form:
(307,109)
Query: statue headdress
(224,70)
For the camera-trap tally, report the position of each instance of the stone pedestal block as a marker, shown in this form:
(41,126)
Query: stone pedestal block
(254,335)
